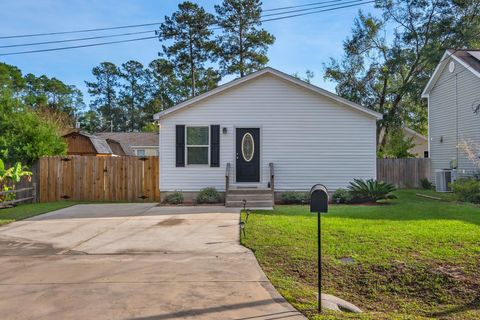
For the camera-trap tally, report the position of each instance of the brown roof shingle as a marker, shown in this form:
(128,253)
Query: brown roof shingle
(132,138)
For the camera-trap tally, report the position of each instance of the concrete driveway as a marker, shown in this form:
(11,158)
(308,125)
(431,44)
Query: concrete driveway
(133,261)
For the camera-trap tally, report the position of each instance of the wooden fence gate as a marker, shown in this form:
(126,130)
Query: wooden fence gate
(403,173)
(92,178)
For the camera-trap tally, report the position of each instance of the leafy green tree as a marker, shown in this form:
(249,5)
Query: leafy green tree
(164,89)
(243,45)
(150,127)
(190,46)
(24,136)
(309,75)
(11,78)
(388,76)
(164,86)
(208,79)
(42,92)
(397,146)
(90,121)
(33,113)
(105,98)
(133,95)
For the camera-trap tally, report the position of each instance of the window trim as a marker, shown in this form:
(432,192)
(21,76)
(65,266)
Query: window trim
(197,145)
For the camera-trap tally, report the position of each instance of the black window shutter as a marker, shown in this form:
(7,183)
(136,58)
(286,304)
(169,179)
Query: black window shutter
(215,146)
(180,146)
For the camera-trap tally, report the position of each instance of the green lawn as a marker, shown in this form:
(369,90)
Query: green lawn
(24,211)
(414,258)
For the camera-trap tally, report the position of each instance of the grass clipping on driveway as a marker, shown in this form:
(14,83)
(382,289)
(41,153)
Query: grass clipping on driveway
(414,258)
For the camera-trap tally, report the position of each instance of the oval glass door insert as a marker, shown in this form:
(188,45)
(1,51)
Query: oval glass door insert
(248,147)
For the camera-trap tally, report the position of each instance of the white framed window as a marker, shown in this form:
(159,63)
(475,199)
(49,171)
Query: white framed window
(140,152)
(197,145)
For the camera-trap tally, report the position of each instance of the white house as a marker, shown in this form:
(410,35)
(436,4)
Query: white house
(266,120)
(453,94)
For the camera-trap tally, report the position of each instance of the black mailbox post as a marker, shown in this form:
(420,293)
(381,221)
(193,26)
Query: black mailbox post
(319,204)
(318,198)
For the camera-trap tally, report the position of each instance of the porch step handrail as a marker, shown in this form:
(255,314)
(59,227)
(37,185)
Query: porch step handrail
(272,178)
(227,177)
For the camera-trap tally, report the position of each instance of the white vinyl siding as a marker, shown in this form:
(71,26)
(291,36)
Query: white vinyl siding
(310,138)
(444,98)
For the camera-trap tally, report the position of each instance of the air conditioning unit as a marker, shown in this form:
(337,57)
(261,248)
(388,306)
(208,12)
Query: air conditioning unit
(443,178)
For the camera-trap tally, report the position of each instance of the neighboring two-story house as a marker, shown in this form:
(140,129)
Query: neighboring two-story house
(453,94)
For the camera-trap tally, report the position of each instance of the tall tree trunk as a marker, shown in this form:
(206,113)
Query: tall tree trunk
(109,105)
(241,66)
(132,107)
(381,109)
(192,64)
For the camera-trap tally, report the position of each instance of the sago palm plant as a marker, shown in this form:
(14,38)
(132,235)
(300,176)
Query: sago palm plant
(371,190)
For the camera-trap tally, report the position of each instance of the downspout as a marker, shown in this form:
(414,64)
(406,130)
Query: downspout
(159,160)
(456,117)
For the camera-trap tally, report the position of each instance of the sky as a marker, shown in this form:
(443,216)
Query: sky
(302,43)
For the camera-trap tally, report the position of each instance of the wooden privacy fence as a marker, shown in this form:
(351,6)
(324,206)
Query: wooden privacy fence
(403,173)
(28,193)
(92,178)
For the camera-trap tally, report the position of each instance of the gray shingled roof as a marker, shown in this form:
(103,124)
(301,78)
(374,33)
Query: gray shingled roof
(470,57)
(132,138)
(99,143)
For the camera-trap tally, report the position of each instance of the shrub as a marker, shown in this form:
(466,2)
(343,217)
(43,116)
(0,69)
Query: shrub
(476,175)
(295,197)
(371,190)
(9,177)
(426,184)
(209,195)
(342,196)
(467,190)
(175,197)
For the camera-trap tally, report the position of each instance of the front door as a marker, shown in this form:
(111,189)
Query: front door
(248,155)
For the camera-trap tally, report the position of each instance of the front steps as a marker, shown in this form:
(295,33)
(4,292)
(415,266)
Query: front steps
(255,197)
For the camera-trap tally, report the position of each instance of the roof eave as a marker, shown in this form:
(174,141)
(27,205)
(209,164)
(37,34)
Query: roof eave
(443,62)
(431,82)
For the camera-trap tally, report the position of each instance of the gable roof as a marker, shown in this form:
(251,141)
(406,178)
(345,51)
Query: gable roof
(277,73)
(102,145)
(132,139)
(99,144)
(414,133)
(469,58)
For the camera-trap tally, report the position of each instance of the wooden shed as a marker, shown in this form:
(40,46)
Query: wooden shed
(85,144)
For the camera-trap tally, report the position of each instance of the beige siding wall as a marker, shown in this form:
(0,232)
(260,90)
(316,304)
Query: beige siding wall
(451,117)
(310,138)
(149,151)
(421,144)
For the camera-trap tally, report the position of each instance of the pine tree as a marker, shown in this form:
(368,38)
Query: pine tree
(243,45)
(133,95)
(104,92)
(188,31)
(164,86)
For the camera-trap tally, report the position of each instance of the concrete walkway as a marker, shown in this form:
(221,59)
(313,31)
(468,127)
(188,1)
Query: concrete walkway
(133,261)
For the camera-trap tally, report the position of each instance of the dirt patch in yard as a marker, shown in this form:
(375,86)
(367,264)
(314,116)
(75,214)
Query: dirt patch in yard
(435,289)
(170,222)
